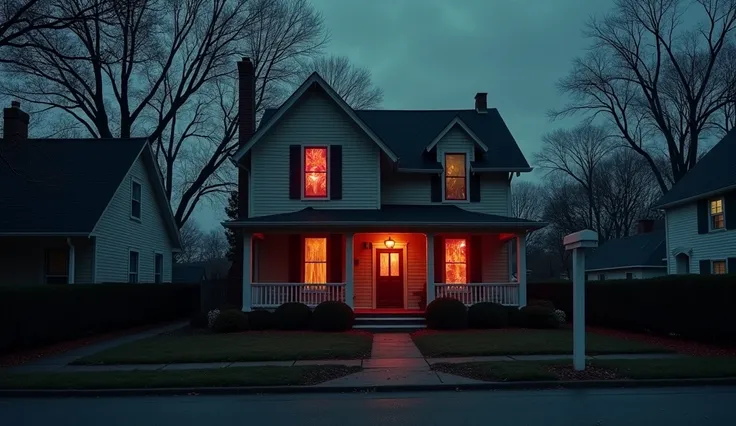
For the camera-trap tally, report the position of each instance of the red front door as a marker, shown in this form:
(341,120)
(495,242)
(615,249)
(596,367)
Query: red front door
(389,278)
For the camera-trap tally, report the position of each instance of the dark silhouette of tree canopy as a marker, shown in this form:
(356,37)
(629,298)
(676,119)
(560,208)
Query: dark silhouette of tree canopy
(353,84)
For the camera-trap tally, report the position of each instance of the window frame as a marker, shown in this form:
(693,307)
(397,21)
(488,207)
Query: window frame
(713,266)
(601,277)
(314,286)
(134,182)
(629,275)
(712,216)
(158,277)
(456,286)
(304,172)
(46,274)
(137,272)
(466,179)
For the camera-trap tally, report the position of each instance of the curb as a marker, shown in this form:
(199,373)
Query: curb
(264,390)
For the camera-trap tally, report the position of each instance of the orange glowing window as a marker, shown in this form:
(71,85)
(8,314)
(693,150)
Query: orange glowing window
(455,177)
(315,172)
(389,264)
(315,260)
(456,264)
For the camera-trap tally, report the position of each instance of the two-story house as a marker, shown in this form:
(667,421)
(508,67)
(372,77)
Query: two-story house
(81,211)
(700,214)
(382,209)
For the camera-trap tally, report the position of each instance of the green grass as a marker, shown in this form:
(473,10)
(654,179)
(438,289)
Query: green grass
(521,342)
(679,368)
(216,377)
(252,346)
(500,371)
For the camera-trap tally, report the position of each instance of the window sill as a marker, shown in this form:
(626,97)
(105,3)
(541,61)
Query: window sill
(456,201)
(135,219)
(315,198)
(715,231)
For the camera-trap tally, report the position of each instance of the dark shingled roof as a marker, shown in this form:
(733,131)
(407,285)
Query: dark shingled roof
(714,172)
(403,214)
(638,250)
(408,133)
(61,185)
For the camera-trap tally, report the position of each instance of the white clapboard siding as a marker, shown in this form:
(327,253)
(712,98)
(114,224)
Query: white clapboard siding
(682,233)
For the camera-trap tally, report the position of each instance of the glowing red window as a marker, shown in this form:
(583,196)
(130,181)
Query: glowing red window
(315,172)
(456,266)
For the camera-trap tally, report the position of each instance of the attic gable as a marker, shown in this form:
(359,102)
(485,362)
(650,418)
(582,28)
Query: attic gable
(457,122)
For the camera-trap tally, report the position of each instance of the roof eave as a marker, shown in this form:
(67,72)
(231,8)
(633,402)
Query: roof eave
(501,169)
(692,198)
(378,224)
(44,234)
(611,268)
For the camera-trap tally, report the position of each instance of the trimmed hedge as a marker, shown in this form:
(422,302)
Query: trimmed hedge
(697,307)
(332,316)
(41,315)
(292,316)
(231,321)
(446,313)
(260,320)
(488,315)
(537,316)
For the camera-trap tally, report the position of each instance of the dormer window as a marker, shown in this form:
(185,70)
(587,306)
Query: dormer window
(716,214)
(456,178)
(315,172)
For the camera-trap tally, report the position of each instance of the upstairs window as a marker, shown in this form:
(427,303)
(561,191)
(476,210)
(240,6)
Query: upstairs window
(716,214)
(315,172)
(315,261)
(158,268)
(135,199)
(719,267)
(456,263)
(455,177)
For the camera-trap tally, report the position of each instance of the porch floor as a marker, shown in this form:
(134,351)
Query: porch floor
(388,311)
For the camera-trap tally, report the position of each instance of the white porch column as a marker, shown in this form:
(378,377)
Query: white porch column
(349,285)
(72,261)
(247,271)
(430,267)
(521,267)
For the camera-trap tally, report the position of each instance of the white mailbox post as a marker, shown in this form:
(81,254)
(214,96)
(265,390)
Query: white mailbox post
(578,242)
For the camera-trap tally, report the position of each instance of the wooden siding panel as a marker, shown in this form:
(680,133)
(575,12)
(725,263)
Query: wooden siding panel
(682,233)
(117,233)
(314,121)
(273,259)
(455,141)
(495,260)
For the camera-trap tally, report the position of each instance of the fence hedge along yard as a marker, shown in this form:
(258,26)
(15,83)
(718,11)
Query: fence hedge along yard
(698,307)
(38,315)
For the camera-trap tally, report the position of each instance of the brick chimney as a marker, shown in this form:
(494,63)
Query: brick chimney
(246,125)
(645,226)
(15,122)
(481,103)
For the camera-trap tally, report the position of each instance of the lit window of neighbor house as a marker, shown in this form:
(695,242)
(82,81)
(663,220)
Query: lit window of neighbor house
(455,177)
(315,172)
(315,260)
(716,214)
(719,267)
(456,264)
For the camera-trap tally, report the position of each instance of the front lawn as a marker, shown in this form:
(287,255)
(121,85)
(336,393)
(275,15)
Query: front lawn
(636,369)
(251,346)
(216,377)
(521,342)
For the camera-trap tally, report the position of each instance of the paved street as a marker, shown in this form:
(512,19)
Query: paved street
(649,407)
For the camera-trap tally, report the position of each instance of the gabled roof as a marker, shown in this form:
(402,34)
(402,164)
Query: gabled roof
(638,251)
(279,113)
(713,174)
(457,122)
(63,186)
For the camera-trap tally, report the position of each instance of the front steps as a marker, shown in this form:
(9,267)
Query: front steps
(404,322)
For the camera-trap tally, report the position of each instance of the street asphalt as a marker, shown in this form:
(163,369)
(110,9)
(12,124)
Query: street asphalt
(690,406)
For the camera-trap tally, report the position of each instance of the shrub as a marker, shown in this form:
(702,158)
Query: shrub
(560,316)
(231,321)
(332,316)
(199,320)
(446,313)
(514,316)
(292,316)
(541,302)
(488,315)
(260,320)
(538,317)
(212,317)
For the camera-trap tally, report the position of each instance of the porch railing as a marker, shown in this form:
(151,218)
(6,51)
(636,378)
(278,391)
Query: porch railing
(268,295)
(503,293)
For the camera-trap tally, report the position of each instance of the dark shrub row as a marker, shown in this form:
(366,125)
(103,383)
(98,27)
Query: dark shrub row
(450,314)
(40,315)
(327,316)
(698,307)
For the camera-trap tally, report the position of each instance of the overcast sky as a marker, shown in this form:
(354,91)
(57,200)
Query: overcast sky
(437,54)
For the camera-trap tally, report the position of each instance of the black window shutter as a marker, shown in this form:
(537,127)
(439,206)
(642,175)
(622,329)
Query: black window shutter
(436,185)
(731,267)
(702,216)
(295,172)
(295,258)
(730,206)
(474,188)
(705,267)
(439,259)
(336,172)
(476,259)
(334,258)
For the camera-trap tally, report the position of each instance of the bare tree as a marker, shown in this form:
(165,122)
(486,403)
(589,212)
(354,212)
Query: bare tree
(655,80)
(354,84)
(191,241)
(213,246)
(577,153)
(20,18)
(527,202)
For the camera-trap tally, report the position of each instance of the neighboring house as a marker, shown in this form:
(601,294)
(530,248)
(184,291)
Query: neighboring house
(635,257)
(215,269)
(81,210)
(384,209)
(700,213)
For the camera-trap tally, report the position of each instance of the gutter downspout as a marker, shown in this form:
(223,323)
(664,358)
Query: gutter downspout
(72,261)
